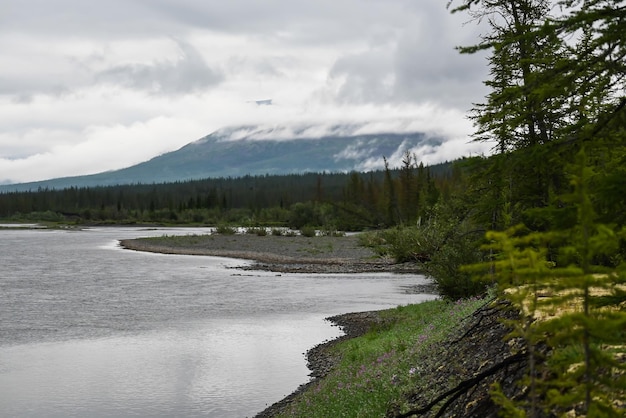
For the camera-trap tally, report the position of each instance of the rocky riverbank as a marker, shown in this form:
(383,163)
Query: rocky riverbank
(320,359)
(460,372)
(473,359)
(287,254)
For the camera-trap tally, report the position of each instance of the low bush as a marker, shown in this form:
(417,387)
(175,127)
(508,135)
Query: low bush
(376,241)
(259,231)
(308,231)
(445,264)
(439,250)
(225,230)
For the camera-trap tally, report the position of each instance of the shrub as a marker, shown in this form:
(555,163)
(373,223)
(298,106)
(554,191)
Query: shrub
(440,250)
(47,216)
(197,217)
(409,244)
(225,230)
(308,231)
(259,231)
(375,241)
(445,265)
(302,214)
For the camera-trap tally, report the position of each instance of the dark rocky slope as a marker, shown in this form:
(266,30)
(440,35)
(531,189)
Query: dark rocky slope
(459,372)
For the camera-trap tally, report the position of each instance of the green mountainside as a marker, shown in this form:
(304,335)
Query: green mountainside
(242,151)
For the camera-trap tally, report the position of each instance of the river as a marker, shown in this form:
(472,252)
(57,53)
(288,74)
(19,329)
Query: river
(90,329)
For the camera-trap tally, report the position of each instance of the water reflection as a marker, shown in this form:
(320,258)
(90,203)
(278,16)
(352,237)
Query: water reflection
(89,329)
(185,371)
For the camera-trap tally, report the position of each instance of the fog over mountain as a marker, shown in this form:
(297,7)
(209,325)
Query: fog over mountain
(88,87)
(258,150)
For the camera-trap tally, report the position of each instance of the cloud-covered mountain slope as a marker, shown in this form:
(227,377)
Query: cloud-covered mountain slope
(241,151)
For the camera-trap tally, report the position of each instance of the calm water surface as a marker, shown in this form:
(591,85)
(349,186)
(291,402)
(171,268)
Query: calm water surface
(89,329)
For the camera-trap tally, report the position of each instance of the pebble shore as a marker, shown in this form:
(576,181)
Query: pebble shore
(287,254)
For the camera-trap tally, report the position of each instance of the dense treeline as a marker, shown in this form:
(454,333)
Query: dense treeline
(544,217)
(346,201)
(556,116)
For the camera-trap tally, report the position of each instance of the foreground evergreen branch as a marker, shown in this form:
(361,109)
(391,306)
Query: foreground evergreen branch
(572,305)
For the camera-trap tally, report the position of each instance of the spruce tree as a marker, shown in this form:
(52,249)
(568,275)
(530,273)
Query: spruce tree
(573,320)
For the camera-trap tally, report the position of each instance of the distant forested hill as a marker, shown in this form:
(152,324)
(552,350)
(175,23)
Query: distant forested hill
(249,150)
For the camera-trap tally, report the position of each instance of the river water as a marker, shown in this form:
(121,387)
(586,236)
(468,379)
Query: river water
(90,329)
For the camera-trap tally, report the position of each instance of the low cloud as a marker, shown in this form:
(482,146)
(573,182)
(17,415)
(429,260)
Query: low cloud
(357,151)
(98,149)
(189,74)
(83,84)
(418,64)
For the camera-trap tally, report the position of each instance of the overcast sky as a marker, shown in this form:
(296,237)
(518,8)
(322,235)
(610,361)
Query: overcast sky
(89,86)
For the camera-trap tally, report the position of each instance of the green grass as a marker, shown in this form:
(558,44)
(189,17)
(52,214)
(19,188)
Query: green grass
(379,367)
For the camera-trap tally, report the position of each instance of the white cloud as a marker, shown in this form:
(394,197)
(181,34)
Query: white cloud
(357,151)
(87,87)
(102,148)
(187,74)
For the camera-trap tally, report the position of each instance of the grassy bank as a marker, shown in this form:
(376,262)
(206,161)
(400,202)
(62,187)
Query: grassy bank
(379,369)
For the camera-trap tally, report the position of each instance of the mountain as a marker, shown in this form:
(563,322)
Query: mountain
(251,150)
